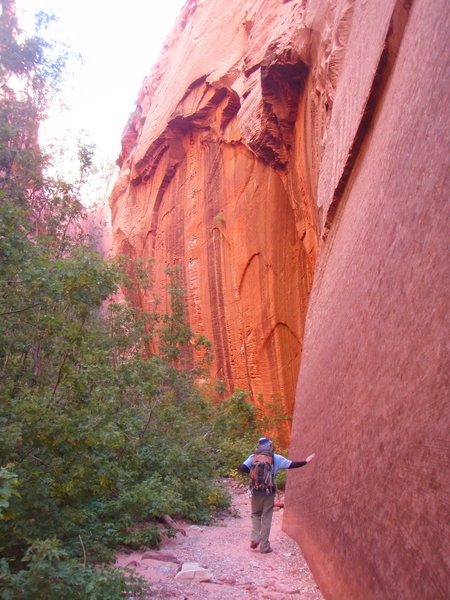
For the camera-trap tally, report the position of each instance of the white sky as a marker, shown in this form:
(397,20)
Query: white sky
(119,43)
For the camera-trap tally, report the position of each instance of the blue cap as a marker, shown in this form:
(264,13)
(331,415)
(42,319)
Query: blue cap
(264,442)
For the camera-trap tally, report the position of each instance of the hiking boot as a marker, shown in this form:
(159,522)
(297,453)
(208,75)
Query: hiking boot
(254,544)
(267,550)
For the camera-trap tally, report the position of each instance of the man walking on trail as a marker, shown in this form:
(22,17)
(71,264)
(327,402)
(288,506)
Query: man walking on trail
(262,467)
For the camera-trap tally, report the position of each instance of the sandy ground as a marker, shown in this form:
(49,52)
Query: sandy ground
(238,573)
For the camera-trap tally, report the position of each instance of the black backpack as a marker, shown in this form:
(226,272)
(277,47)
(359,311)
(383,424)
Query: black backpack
(261,472)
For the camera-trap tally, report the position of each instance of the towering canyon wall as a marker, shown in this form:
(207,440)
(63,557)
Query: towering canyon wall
(372,400)
(276,142)
(218,176)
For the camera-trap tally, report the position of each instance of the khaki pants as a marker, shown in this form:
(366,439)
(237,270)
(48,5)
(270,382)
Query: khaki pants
(262,511)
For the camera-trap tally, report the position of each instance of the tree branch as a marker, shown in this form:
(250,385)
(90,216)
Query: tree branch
(13,312)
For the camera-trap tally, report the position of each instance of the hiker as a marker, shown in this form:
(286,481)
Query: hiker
(263,466)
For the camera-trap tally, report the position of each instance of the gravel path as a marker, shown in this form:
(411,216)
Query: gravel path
(238,573)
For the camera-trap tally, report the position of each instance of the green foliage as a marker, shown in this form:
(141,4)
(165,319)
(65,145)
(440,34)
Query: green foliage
(220,219)
(280,479)
(274,418)
(86,153)
(30,74)
(106,434)
(235,430)
(8,481)
(218,498)
(101,427)
(236,425)
(51,575)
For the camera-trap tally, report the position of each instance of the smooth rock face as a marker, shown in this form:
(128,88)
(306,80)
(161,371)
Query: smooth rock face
(277,141)
(371,512)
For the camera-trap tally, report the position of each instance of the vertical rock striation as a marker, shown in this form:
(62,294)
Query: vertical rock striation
(276,141)
(209,180)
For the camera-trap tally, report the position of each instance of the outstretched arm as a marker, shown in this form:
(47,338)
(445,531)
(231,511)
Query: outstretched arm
(301,463)
(244,469)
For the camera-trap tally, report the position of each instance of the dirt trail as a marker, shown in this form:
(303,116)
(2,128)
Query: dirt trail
(238,573)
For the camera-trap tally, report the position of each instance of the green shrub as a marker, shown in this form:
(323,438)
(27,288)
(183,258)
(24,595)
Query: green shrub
(234,431)
(101,427)
(218,497)
(51,575)
(280,479)
(102,430)
(8,482)
(236,425)
(141,536)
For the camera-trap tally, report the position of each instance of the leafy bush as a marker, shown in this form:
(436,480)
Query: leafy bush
(8,481)
(236,426)
(101,426)
(280,479)
(218,498)
(110,443)
(102,430)
(52,575)
(234,430)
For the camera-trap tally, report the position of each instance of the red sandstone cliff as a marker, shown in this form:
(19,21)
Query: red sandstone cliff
(372,398)
(219,175)
(277,141)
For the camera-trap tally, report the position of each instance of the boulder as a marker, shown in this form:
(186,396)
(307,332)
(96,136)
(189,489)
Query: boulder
(193,572)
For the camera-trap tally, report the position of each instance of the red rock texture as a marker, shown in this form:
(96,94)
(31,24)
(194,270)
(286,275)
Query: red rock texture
(277,141)
(371,513)
(219,174)
(209,181)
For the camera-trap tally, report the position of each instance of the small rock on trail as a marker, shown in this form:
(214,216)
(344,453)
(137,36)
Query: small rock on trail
(222,550)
